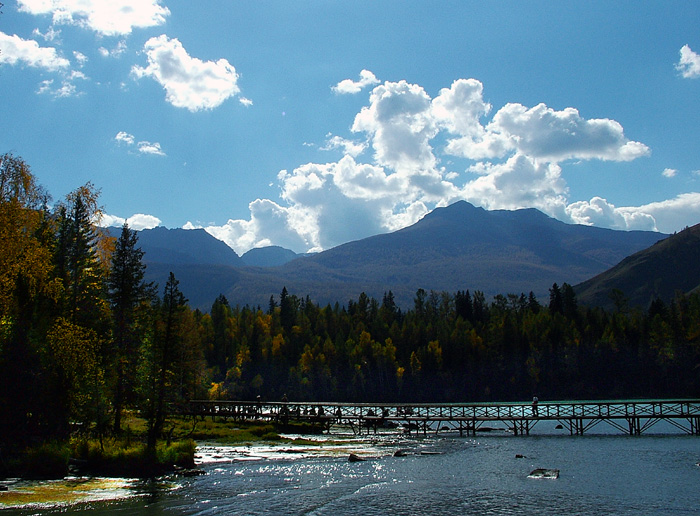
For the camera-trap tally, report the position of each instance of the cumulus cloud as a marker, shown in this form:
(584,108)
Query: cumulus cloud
(124,137)
(115,51)
(269,224)
(665,216)
(66,87)
(349,147)
(143,147)
(599,212)
(520,182)
(348,86)
(543,133)
(188,82)
(689,64)
(400,124)
(106,17)
(137,222)
(672,214)
(15,50)
(669,172)
(515,160)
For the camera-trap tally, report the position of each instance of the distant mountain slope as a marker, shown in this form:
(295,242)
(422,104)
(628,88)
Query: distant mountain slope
(271,256)
(454,248)
(185,246)
(660,271)
(204,265)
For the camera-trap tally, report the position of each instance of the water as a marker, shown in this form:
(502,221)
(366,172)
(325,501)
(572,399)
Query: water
(599,474)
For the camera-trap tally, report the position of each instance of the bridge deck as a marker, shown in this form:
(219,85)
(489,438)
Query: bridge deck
(632,417)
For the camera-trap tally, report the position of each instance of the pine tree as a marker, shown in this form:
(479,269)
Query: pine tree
(127,290)
(162,358)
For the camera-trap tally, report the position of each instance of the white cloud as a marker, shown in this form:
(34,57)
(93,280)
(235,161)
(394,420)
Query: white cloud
(51,34)
(143,147)
(106,17)
(67,87)
(600,212)
(516,161)
(349,147)
(137,222)
(269,224)
(245,101)
(669,172)
(672,214)
(689,64)
(80,58)
(15,50)
(400,123)
(116,51)
(124,137)
(665,216)
(189,82)
(520,182)
(348,86)
(543,133)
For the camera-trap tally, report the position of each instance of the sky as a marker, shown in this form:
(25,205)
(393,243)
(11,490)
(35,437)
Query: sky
(309,124)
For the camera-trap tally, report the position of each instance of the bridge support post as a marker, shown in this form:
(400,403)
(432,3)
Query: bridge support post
(635,426)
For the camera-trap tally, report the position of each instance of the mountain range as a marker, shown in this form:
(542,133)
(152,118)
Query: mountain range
(457,247)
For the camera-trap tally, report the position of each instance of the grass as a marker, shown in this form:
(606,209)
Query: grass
(59,492)
(125,455)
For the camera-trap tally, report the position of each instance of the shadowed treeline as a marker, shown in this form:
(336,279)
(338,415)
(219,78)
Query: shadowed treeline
(83,338)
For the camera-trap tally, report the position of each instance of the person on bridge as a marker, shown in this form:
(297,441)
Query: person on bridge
(535,409)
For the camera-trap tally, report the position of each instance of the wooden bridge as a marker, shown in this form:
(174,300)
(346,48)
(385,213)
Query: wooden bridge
(632,417)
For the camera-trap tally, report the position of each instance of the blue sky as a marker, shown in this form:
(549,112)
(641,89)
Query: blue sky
(310,124)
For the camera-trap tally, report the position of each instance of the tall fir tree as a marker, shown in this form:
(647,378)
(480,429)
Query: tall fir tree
(127,291)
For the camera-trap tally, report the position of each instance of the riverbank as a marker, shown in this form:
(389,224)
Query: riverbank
(222,443)
(125,456)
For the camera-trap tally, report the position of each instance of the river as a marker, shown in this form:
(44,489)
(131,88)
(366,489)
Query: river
(447,475)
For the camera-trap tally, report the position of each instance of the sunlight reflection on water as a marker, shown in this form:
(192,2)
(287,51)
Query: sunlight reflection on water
(446,476)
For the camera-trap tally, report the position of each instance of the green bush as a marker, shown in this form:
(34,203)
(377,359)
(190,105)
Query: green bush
(48,460)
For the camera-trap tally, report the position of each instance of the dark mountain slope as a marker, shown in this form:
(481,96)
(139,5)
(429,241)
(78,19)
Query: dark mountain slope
(271,256)
(660,271)
(185,246)
(459,247)
(454,248)
(203,265)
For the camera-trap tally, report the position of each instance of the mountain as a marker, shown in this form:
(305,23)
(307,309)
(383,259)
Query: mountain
(270,256)
(204,265)
(454,248)
(658,272)
(185,246)
(458,247)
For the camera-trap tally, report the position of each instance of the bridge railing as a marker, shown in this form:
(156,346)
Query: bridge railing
(553,410)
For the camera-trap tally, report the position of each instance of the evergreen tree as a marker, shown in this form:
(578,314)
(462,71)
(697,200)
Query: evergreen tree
(162,358)
(127,290)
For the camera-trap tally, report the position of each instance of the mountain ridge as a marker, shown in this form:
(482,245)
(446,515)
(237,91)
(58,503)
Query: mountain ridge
(658,272)
(458,247)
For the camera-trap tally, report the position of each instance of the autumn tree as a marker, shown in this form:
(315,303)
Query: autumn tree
(25,278)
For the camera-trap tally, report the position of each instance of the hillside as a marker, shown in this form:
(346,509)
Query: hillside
(271,256)
(454,248)
(658,272)
(458,247)
(184,247)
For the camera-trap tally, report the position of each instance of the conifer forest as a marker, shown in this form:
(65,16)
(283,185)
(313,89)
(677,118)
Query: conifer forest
(83,337)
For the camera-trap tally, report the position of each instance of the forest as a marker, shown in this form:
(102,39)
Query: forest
(85,340)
